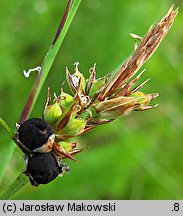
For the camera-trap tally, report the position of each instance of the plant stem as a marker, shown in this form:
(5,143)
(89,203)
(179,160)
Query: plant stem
(49,58)
(15,186)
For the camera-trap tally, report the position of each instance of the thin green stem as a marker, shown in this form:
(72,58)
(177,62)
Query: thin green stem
(14,187)
(55,48)
(48,61)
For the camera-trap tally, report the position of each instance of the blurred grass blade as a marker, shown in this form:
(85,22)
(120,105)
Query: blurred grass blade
(65,23)
(6,153)
(6,127)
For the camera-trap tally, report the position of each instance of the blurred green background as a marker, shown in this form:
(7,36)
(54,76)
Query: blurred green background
(138,157)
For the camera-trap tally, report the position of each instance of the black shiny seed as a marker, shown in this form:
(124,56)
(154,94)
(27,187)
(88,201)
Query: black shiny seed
(42,168)
(33,133)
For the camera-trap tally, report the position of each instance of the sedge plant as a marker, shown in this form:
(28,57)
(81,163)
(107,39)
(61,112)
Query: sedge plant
(93,101)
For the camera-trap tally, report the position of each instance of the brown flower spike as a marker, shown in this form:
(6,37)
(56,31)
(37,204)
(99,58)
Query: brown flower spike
(142,53)
(100,101)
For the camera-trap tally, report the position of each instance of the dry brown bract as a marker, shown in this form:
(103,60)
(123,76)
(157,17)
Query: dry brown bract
(143,52)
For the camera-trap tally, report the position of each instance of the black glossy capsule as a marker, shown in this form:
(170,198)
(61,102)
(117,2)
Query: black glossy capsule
(34,133)
(43,168)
